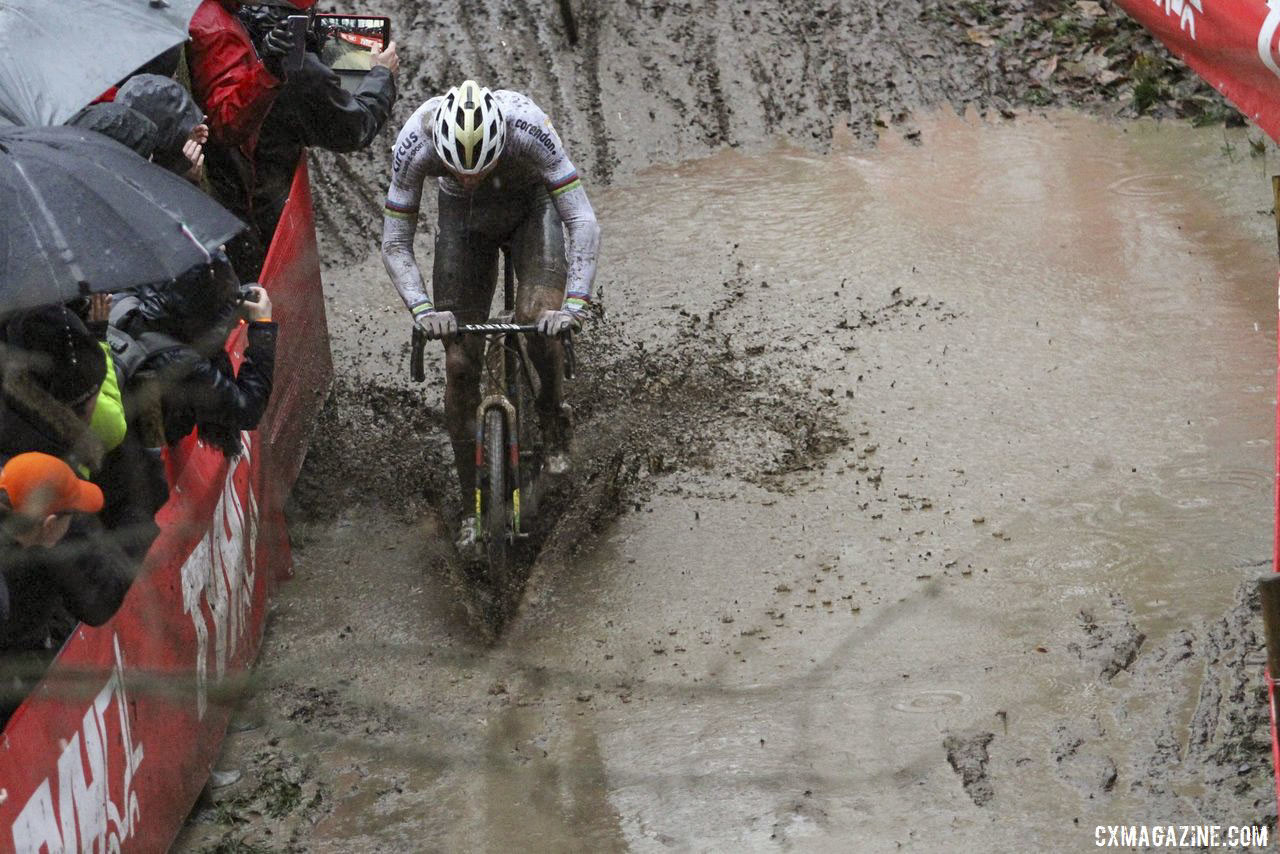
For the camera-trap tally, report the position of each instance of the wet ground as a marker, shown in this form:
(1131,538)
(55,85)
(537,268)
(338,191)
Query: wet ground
(920,490)
(659,81)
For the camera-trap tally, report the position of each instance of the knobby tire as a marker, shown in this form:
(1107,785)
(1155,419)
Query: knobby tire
(496,508)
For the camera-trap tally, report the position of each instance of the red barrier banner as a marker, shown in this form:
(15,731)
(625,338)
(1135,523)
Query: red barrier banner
(1230,43)
(113,747)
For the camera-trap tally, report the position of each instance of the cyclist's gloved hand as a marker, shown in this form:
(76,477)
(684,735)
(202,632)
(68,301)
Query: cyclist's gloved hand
(437,324)
(553,323)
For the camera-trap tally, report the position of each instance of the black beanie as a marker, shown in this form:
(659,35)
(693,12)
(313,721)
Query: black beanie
(58,353)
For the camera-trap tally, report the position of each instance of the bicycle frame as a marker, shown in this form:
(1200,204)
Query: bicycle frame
(504,359)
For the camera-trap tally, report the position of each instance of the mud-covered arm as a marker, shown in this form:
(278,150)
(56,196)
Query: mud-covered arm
(583,247)
(410,165)
(570,199)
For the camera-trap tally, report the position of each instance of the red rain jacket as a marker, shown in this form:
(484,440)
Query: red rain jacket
(227,78)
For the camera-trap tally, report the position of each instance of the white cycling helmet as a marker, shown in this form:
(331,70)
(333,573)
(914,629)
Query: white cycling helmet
(469,129)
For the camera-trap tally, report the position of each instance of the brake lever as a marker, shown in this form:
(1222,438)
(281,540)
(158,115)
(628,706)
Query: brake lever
(569,361)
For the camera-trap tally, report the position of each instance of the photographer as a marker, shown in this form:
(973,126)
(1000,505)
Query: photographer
(186,380)
(312,109)
(231,81)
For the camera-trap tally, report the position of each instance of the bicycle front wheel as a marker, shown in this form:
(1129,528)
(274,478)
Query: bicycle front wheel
(497,512)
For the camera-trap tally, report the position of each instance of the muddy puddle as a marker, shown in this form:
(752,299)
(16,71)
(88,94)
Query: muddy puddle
(937,471)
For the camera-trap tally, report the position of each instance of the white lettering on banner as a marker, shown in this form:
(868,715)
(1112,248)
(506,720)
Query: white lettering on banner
(87,817)
(1185,11)
(221,570)
(1267,37)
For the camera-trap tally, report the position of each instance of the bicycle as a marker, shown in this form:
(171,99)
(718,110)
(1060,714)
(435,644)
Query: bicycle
(506,469)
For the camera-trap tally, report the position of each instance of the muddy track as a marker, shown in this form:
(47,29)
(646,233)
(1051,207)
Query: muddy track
(697,404)
(652,81)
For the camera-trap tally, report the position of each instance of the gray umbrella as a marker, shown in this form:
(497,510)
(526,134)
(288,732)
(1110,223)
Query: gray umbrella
(84,214)
(57,57)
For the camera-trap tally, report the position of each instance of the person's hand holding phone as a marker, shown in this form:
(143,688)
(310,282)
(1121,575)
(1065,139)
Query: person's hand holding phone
(386,59)
(282,47)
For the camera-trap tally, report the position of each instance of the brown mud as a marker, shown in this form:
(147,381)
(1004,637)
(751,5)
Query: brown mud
(895,522)
(923,464)
(653,81)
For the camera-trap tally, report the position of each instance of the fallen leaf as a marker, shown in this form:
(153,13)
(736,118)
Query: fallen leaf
(1044,68)
(1090,8)
(981,36)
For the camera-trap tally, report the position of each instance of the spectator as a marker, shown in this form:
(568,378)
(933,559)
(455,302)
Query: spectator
(236,87)
(127,127)
(180,129)
(186,380)
(229,80)
(50,377)
(53,556)
(131,475)
(61,397)
(312,109)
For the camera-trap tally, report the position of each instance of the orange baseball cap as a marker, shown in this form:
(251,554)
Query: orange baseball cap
(39,485)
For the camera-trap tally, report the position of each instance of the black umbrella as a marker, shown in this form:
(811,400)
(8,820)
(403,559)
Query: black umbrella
(83,214)
(57,57)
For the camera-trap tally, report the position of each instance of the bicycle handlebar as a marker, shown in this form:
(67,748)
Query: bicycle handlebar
(495,327)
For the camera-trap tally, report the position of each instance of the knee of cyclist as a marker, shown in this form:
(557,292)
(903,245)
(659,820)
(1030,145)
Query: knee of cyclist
(541,299)
(459,364)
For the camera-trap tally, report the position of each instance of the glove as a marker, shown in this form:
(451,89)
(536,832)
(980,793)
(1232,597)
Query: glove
(276,45)
(554,323)
(437,324)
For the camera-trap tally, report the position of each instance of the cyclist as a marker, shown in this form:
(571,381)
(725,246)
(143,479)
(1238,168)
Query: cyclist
(504,180)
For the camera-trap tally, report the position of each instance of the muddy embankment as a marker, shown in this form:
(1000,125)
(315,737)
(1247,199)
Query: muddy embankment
(658,82)
(866,540)
(652,82)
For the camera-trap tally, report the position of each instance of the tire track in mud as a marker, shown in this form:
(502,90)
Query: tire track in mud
(1220,750)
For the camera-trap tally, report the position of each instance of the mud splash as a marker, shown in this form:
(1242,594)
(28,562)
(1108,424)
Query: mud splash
(940,471)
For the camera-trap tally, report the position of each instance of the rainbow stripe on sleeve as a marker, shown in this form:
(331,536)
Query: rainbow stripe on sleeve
(564,185)
(409,212)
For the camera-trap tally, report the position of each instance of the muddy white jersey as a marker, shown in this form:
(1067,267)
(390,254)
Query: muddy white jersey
(532,159)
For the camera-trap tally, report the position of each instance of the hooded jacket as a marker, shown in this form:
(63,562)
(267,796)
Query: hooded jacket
(227,77)
(170,108)
(195,383)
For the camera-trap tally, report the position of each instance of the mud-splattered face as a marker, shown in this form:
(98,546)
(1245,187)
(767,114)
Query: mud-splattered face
(471,182)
